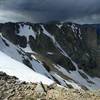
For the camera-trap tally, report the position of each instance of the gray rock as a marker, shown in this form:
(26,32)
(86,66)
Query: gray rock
(39,88)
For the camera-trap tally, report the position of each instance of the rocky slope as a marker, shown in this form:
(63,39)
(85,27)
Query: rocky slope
(12,89)
(66,53)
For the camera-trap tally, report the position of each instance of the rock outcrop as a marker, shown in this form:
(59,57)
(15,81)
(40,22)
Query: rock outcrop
(12,89)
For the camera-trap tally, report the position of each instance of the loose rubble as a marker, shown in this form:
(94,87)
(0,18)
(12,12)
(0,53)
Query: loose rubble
(12,89)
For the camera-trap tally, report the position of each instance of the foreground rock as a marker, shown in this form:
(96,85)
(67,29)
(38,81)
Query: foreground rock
(12,89)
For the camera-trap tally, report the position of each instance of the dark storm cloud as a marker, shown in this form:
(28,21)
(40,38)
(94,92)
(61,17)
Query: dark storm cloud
(87,11)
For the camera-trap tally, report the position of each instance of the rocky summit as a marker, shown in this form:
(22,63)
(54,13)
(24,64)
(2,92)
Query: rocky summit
(64,53)
(12,89)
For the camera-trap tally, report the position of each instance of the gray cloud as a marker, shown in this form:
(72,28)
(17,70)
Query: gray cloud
(81,11)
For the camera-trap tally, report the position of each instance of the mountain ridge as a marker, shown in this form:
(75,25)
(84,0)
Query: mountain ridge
(65,52)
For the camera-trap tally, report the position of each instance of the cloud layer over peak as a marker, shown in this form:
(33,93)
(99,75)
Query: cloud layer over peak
(80,11)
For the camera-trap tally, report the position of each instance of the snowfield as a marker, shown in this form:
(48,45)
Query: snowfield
(11,51)
(15,68)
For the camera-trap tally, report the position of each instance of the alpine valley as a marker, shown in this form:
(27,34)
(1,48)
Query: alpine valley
(64,53)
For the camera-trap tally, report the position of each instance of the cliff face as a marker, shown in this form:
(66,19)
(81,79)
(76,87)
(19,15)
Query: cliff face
(67,51)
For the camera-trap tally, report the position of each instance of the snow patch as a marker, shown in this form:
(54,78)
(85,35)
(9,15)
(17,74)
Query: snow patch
(59,26)
(27,49)
(26,30)
(50,53)
(48,34)
(76,31)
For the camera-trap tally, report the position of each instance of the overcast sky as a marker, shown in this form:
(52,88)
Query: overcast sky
(79,11)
